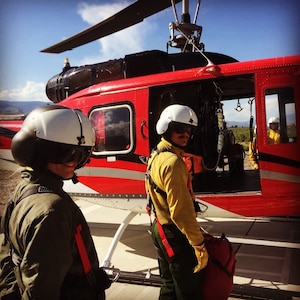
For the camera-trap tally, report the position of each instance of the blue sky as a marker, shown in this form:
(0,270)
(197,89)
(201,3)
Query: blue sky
(244,29)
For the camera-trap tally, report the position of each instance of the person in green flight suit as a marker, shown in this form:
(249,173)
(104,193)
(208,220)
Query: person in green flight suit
(39,254)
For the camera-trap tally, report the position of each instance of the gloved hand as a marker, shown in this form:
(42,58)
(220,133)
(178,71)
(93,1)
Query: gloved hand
(202,257)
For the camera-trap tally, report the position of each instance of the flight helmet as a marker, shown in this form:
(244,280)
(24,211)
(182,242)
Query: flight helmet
(174,115)
(55,134)
(273,120)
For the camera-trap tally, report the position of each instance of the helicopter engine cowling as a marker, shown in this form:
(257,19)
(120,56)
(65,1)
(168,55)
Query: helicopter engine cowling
(74,79)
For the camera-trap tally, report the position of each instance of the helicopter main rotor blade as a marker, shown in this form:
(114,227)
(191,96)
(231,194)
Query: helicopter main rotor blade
(131,15)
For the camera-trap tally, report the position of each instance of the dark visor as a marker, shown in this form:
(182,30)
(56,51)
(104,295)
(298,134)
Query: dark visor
(182,128)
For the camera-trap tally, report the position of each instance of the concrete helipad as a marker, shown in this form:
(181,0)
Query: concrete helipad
(267,253)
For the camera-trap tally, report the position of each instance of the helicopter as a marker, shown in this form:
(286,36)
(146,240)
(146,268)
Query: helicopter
(124,97)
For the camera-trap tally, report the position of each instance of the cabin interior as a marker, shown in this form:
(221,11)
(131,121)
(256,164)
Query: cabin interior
(221,105)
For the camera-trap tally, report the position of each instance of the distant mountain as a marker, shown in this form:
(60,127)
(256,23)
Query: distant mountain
(19,107)
(290,119)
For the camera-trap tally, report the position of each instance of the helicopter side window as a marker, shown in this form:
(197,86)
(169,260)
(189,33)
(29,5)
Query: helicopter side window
(113,129)
(280,116)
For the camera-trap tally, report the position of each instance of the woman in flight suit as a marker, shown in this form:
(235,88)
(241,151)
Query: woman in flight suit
(39,241)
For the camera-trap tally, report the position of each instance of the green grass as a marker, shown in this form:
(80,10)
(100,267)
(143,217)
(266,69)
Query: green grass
(242,134)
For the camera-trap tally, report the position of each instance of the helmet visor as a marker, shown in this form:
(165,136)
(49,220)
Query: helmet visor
(63,153)
(181,128)
(70,153)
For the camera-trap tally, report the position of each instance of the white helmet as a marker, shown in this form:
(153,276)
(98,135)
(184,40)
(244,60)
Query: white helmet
(176,113)
(55,134)
(273,120)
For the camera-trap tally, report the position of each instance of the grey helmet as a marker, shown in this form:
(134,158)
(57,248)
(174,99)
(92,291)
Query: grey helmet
(56,134)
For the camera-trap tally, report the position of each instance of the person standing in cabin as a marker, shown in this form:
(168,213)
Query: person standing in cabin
(273,131)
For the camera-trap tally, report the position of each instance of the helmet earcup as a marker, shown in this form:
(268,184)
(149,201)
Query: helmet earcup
(24,147)
(162,125)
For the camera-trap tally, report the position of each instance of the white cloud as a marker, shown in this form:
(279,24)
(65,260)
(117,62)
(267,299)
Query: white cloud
(117,45)
(32,91)
(129,40)
(93,13)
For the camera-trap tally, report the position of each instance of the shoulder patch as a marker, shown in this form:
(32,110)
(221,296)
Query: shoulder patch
(43,189)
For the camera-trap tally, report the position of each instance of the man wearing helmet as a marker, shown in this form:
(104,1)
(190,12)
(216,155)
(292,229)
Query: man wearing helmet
(273,132)
(175,231)
(41,220)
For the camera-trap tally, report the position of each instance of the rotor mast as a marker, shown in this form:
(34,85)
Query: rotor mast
(188,38)
(185,16)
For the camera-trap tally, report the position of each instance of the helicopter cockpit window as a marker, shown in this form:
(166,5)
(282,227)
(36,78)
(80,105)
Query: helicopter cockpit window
(113,129)
(280,116)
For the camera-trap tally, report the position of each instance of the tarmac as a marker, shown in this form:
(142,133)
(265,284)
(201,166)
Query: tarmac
(134,253)
(267,252)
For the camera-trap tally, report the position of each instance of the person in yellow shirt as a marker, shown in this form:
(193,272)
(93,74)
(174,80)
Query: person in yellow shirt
(175,232)
(273,132)
(253,151)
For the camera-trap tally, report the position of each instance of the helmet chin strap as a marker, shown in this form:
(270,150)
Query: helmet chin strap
(75,178)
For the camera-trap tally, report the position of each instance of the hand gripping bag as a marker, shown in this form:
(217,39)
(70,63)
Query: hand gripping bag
(219,272)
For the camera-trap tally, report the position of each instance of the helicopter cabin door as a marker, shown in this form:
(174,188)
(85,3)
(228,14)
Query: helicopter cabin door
(278,113)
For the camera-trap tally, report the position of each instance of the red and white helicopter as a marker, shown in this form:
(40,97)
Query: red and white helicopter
(124,97)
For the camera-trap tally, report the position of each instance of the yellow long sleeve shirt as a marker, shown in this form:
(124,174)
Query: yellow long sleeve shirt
(274,137)
(170,174)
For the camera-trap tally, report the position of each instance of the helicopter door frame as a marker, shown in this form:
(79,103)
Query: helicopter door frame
(278,163)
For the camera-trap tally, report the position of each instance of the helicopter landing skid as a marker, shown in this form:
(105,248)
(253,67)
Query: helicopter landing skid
(116,239)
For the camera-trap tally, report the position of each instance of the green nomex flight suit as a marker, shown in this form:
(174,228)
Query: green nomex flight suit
(175,211)
(41,230)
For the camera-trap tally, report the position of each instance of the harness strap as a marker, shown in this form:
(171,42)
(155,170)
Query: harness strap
(148,174)
(164,239)
(150,205)
(165,242)
(85,261)
(82,250)
(12,204)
